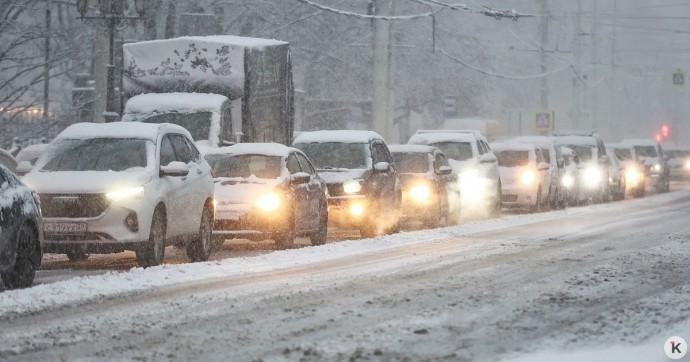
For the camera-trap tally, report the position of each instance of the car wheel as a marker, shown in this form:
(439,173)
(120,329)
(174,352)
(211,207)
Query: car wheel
(77,253)
(320,236)
(24,270)
(153,252)
(286,238)
(200,248)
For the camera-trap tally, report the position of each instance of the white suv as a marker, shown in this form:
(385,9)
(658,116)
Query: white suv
(471,158)
(105,188)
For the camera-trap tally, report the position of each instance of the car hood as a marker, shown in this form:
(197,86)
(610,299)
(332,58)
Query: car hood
(408,179)
(511,174)
(85,182)
(462,166)
(243,190)
(341,175)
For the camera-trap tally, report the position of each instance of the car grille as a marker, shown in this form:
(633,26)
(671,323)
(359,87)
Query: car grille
(335,189)
(73,205)
(509,198)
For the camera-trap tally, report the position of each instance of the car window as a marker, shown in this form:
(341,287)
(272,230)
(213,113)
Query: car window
(305,164)
(182,151)
(293,164)
(167,153)
(539,156)
(440,160)
(196,156)
(480,148)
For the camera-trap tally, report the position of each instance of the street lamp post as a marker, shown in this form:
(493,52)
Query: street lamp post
(112,12)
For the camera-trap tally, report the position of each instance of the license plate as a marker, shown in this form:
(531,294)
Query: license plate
(64,227)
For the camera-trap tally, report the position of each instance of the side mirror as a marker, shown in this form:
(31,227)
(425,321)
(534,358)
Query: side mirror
(543,166)
(382,167)
(605,160)
(23,168)
(300,178)
(560,163)
(175,169)
(444,170)
(487,158)
(227,143)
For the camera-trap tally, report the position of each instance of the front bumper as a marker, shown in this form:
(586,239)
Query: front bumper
(248,222)
(515,195)
(107,233)
(348,211)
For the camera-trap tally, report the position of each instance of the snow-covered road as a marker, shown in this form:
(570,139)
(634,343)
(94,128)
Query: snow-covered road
(604,282)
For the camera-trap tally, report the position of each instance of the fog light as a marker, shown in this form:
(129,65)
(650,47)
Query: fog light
(356,209)
(568,181)
(131,222)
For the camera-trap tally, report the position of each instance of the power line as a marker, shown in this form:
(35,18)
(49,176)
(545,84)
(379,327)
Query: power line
(503,76)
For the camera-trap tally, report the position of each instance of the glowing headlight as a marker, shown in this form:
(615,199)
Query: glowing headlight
(592,176)
(527,177)
(656,167)
(420,192)
(268,202)
(352,186)
(687,165)
(356,209)
(632,176)
(124,194)
(568,181)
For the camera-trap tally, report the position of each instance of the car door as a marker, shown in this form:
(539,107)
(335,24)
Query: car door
(387,180)
(300,193)
(172,189)
(316,191)
(194,183)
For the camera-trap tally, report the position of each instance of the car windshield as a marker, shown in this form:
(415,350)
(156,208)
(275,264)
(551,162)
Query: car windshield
(645,151)
(623,153)
(584,152)
(261,166)
(333,155)
(411,162)
(198,124)
(510,158)
(459,151)
(97,154)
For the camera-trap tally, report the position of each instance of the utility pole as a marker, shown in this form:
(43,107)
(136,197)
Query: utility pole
(595,63)
(46,65)
(380,119)
(576,112)
(544,29)
(614,119)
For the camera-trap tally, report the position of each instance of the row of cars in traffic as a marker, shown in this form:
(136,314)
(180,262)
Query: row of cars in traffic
(106,188)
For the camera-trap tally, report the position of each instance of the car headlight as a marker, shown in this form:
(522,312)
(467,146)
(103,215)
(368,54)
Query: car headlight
(568,181)
(420,192)
(357,209)
(125,194)
(656,167)
(632,176)
(527,177)
(687,165)
(268,202)
(592,176)
(352,186)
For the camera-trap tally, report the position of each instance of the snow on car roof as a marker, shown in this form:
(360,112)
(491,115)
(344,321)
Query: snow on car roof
(576,140)
(179,102)
(640,142)
(512,146)
(119,130)
(428,137)
(541,140)
(247,42)
(269,149)
(411,149)
(340,136)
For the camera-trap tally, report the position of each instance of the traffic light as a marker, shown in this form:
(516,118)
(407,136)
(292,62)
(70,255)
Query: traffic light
(665,131)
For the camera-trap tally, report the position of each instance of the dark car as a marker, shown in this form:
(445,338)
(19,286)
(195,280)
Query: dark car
(267,191)
(363,185)
(427,183)
(20,232)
